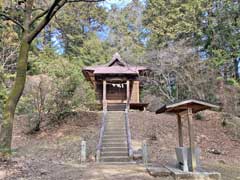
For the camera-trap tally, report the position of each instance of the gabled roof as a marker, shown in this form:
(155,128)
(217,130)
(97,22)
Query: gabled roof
(115,66)
(116,59)
(196,105)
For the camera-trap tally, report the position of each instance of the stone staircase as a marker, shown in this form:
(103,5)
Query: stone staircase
(114,142)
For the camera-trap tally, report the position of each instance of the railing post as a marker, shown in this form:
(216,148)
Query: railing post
(99,146)
(130,151)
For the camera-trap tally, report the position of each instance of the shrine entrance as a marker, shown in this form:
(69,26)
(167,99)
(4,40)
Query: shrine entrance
(117,92)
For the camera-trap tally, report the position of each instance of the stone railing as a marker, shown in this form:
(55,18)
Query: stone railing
(99,146)
(129,143)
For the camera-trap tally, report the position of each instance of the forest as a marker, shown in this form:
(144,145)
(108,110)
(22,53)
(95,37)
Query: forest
(192,49)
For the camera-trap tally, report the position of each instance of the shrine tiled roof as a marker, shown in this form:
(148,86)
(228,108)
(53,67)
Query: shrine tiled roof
(115,66)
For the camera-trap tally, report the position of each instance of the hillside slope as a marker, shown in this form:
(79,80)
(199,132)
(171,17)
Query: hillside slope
(54,152)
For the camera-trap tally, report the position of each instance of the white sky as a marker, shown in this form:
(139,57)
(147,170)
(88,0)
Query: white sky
(119,3)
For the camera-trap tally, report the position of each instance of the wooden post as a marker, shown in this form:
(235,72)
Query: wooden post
(180,134)
(191,140)
(128,93)
(104,94)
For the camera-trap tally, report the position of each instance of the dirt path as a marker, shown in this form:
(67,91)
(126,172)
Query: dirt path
(118,172)
(90,171)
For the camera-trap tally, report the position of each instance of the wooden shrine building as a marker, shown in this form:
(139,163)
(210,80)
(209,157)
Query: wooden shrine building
(116,83)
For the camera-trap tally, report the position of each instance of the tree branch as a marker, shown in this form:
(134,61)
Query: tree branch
(49,13)
(38,17)
(38,9)
(13,20)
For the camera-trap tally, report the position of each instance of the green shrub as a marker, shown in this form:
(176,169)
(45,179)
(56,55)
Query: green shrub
(233,82)
(199,116)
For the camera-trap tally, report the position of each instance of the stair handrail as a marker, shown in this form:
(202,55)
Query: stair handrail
(130,150)
(99,146)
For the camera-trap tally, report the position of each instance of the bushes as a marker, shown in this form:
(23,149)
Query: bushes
(71,90)
(57,89)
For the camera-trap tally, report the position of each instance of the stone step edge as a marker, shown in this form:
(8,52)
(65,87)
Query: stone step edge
(115,147)
(115,157)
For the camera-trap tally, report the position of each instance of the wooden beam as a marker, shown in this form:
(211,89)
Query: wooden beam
(116,79)
(182,113)
(180,134)
(191,139)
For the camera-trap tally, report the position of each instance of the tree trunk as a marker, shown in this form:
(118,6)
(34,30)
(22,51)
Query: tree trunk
(236,68)
(13,98)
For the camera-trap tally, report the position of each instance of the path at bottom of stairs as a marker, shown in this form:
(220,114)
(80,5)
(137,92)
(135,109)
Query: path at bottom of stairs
(118,172)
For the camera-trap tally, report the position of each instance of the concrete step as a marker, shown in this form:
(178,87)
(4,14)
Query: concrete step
(107,149)
(115,118)
(112,112)
(115,144)
(115,122)
(114,153)
(114,136)
(115,159)
(115,125)
(112,129)
(115,130)
(113,133)
(122,122)
(114,140)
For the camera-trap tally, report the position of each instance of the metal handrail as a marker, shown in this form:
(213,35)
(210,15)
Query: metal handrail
(99,146)
(130,151)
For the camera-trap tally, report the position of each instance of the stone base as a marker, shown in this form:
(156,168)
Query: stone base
(184,158)
(158,171)
(199,175)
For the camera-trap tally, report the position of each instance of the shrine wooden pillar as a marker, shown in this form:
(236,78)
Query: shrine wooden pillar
(128,93)
(180,133)
(104,95)
(191,139)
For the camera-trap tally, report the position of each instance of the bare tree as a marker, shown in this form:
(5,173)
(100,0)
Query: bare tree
(179,73)
(38,88)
